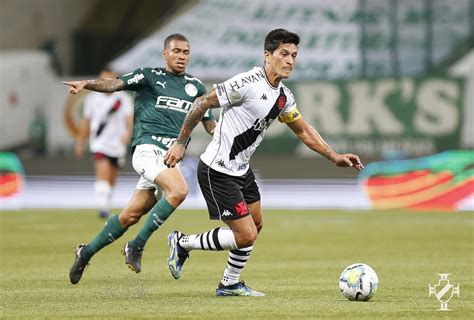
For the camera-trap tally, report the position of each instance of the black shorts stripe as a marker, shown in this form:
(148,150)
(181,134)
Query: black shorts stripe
(215,238)
(235,266)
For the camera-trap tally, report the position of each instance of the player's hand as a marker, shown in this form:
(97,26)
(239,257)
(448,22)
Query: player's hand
(75,86)
(174,155)
(348,160)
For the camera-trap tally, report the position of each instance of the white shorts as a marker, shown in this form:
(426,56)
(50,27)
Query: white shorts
(148,162)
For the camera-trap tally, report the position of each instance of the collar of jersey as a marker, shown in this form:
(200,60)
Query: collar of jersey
(171,73)
(268,82)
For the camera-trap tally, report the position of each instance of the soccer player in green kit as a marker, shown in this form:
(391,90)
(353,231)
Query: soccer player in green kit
(163,98)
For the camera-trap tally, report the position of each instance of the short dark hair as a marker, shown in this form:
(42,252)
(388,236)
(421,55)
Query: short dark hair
(278,36)
(174,36)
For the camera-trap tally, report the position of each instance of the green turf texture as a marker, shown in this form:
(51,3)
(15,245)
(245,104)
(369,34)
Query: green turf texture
(296,262)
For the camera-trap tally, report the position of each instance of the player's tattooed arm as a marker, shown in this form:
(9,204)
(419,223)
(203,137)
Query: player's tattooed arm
(194,116)
(209,125)
(100,85)
(310,137)
(105,85)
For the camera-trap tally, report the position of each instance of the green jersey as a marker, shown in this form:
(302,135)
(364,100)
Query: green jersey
(162,101)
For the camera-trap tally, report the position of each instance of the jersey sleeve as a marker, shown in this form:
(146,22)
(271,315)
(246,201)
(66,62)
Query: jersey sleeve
(136,80)
(230,93)
(290,112)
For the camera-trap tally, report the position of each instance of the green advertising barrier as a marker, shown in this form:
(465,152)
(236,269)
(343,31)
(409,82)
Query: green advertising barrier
(412,116)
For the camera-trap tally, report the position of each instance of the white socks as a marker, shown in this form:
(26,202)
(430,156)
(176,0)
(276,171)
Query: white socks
(235,264)
(220,239)
(103,192)
(215,239)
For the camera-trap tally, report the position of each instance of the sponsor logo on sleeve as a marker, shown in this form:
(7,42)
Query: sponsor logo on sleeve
(135,78)
(219,89)
(234,96)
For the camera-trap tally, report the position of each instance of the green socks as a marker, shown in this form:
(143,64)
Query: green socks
(114,230)
(111,232)
(157,216)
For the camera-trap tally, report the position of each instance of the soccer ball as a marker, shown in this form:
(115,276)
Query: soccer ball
(358,282)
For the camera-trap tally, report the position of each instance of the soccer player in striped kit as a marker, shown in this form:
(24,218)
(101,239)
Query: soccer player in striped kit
(249,103)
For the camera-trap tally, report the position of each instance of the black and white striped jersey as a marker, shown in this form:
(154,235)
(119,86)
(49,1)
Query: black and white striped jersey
(249,105)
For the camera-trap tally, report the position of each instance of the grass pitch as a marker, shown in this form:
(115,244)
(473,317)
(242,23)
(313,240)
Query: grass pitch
(296,262)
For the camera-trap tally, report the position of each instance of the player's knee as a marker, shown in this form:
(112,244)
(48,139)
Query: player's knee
(179,194)
(246,239)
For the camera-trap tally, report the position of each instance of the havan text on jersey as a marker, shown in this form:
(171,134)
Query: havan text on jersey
(240,83)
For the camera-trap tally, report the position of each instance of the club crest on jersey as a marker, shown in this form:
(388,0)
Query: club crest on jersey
(281,102)
(191,90)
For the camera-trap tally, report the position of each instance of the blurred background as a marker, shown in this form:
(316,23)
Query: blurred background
(390,80)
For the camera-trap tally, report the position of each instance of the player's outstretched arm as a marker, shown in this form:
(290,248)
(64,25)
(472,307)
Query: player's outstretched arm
(310,137)
(100,85)
(194,116)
